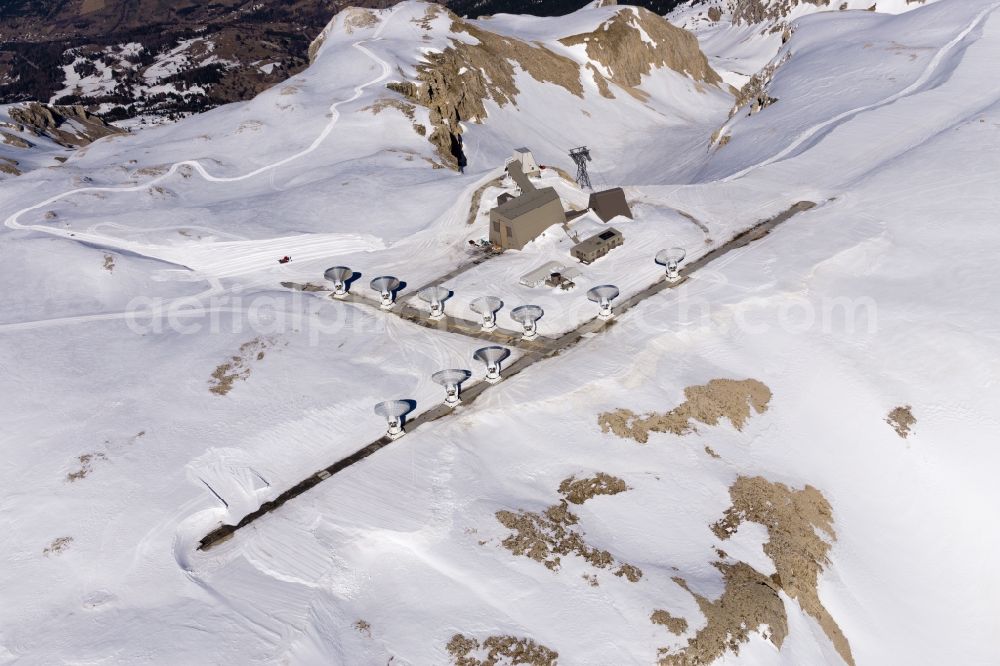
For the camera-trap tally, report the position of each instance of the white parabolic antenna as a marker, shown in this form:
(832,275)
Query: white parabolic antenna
(392,411)
(492,357)
(385,285)
(527,316)
(487,306)
(338,276)
(604,294)
(435,296)
(671,259)
(451,380)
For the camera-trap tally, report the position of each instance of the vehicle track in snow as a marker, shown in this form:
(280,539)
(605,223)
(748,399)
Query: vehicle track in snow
(539,350)
(917,86)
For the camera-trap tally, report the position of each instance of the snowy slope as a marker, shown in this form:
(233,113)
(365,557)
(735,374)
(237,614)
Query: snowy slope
(155,280)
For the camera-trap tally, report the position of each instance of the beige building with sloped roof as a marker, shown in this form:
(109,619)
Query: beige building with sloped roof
(518,221)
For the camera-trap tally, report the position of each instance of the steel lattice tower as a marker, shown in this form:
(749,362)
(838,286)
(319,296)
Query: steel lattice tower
(581,156)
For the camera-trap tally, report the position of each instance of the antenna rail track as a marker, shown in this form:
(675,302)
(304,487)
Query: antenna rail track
(538,350)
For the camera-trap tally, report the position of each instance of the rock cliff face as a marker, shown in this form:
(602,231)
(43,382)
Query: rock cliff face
(754,93)
(634,43)
(456,83)
(69,126)
(766,11)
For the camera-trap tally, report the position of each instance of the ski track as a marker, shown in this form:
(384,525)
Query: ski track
(915,87)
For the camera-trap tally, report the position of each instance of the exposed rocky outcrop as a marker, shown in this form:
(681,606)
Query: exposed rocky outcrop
(457,83)
(633,43)
(69,126)
(766,11)
(499,651)
(749,601)
(796,521)
(754,93)
(548,536)
(902,420)
(709,403)
(9,166)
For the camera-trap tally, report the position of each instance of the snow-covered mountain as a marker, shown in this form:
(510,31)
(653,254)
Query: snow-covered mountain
(784,458)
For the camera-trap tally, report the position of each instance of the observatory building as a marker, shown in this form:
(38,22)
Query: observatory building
(595,247)
(520,220)
(609,204)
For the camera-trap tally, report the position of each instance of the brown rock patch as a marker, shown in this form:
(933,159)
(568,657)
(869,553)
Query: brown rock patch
(901,419)
(548,536)
(619,45)
(708,404)
(793,519)
(499,650)
(750,600)
(579,491)
(238,366)
(675,625)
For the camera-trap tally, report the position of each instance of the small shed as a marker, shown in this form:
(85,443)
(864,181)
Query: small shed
(598,245)
(609,204)
(538,276)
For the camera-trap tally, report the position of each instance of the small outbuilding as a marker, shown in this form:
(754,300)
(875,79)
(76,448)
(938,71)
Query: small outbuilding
(609,204)
(544,274)
(598,245)
(527,162)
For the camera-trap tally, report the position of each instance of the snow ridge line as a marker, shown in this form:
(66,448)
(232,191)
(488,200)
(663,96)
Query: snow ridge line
(928,72)
(12,223)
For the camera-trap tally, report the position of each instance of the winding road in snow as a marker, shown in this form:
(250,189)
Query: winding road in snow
(345,243)
(932,67)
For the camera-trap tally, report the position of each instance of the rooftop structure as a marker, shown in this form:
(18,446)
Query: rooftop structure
(595,247)
(518,221)
(527,160)
(609,204)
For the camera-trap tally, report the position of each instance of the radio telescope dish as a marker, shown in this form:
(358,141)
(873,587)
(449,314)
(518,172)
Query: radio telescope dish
(492,357)
(436,297)
(671,259)
(487,307)
(338,275)
(451,380)
(604,294)
(386,286)
(393,411)
(527,316)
